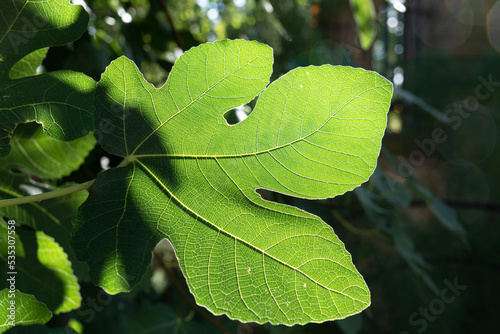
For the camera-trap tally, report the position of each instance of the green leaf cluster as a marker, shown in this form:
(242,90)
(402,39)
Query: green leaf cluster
(186,175)
(191,178)
(61,101)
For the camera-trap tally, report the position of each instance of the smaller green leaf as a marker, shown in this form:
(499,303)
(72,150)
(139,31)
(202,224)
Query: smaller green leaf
(364,15)
(61,101)
(27,66)
(47,158)
(75,325)
(52,216)
(43,269)
(28,310)
(29,25)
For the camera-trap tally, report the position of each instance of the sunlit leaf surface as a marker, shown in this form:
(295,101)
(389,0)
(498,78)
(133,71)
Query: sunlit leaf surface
(190,177)
(28,310)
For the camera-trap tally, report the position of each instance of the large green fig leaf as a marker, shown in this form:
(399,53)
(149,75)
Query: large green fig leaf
(190,177)
(61,101)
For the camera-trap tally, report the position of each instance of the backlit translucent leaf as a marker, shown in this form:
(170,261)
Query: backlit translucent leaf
(190,177)
(27,66)
(40,155)
(61,101)
(28,310)
(43,269)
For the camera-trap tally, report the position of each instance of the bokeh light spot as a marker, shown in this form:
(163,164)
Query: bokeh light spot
(433,22)
(240,3)
(494,26)
(461,9)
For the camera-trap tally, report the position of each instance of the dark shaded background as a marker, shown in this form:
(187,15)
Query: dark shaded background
(427,219)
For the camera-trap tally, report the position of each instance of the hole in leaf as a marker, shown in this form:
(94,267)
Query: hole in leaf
(17,171)
(36,180)
(30,189)
(238,114)
(107,161)
(26,130)
(265,194)
(20,70)
(39,183)
(104,162)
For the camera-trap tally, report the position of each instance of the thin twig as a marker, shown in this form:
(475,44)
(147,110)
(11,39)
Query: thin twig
(177,36)
(47,195)
(192,304)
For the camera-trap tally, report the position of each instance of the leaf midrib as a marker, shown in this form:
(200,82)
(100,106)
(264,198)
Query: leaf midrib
(152,175)
(133,157)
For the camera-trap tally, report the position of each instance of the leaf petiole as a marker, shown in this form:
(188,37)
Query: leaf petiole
(47,195)
(126,161)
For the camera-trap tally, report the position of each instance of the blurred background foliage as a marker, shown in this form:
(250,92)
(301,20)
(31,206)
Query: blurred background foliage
(430,212)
